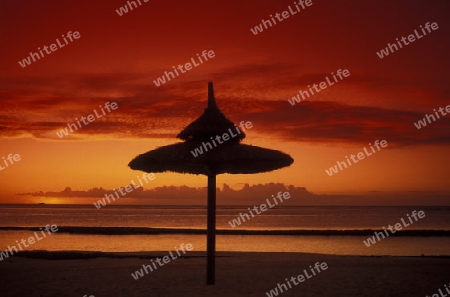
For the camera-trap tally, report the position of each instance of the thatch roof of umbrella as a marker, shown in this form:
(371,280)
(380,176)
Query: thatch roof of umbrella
(225,158)
(228,157)
(211,123)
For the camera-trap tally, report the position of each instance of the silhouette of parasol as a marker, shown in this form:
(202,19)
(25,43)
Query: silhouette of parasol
(226,157)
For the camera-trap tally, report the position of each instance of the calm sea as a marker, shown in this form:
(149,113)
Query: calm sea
(176,217)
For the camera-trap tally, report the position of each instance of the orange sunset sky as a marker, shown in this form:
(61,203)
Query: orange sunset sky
(117,58)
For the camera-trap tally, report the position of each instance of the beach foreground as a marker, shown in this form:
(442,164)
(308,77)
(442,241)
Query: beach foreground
(238,274)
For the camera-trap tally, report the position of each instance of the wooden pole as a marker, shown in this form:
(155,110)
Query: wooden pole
(211,217)
(211,231)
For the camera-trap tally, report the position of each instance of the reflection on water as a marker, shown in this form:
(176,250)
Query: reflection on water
(342,218)
(299,218)
(339,245)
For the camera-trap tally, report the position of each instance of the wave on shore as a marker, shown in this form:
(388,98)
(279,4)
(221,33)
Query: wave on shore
(152,231)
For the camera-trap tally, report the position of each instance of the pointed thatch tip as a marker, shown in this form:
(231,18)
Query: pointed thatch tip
(211,99)
(210,124)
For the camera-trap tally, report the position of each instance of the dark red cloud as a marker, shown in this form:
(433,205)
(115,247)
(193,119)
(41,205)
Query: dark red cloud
(49,104)
(117,59)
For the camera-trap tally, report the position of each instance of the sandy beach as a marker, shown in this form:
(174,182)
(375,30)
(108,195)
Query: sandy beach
(238,274)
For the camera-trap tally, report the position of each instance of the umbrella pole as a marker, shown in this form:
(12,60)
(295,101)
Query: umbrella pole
(211,232)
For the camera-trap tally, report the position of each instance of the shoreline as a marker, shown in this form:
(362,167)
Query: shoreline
(79,255)
(299,232)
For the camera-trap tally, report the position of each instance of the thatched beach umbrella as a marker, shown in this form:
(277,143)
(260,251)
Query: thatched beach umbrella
(228,157)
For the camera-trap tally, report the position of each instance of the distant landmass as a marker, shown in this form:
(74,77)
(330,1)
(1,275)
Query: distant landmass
(252,195)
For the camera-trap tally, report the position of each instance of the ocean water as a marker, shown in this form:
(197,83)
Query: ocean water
(327,219)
